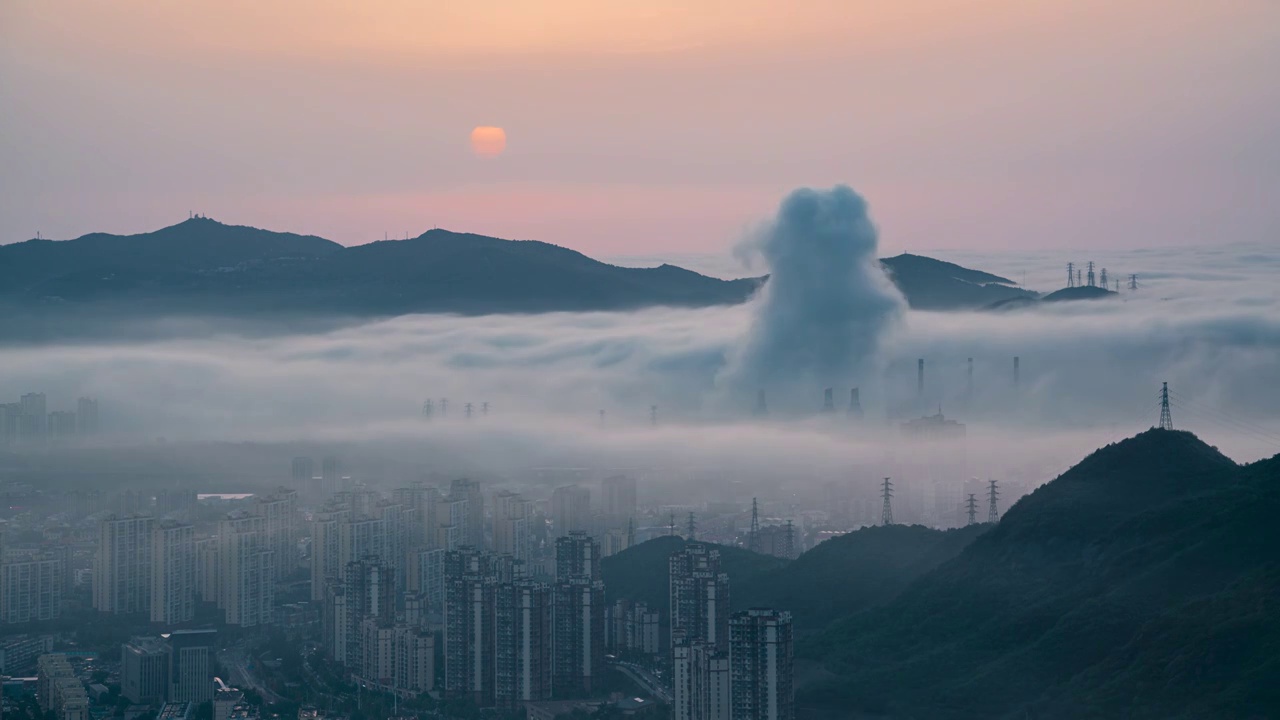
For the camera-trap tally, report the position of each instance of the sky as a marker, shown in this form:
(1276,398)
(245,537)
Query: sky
(646,127)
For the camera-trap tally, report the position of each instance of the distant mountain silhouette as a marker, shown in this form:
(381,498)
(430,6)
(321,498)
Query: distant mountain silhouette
(930,284)
(205,268)
(1141,583)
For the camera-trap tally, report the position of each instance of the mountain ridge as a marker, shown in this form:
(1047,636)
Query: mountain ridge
(204,268)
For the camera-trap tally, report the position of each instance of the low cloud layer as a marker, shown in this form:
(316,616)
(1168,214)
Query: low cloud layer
(1208,323)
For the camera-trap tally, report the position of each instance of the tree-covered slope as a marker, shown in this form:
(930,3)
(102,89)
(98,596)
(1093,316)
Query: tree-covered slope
(1141,583)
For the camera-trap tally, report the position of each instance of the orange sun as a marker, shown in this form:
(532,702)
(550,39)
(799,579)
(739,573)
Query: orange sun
(488,141)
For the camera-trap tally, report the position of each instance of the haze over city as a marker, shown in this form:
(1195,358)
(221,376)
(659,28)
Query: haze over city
(702,361)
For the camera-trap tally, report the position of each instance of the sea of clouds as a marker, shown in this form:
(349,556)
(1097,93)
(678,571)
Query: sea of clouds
(1205,320)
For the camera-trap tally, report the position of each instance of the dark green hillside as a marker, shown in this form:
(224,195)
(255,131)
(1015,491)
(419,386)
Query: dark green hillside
(852,572)
(640,572)
(1141,583)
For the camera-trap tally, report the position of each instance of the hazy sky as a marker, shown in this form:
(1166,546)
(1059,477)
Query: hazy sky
(649,126)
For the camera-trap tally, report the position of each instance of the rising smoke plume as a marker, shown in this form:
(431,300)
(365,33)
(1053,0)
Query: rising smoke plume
(827,305)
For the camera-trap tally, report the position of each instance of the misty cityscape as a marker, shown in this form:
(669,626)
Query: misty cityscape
(563,361)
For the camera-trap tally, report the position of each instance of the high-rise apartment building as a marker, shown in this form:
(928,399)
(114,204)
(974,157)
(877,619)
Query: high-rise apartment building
(578,617)
(571,509)
(173,573)
(523,638)
(208,585)
(699,596)
(761,665)
(279,510)
(87,416)
(246,570)
(471,585)
(34,417)
(31,586)
(469,490)
(144,670)
(512,517)
(701,682)
(619,497)
(190,671)
(59,691)
(122,568)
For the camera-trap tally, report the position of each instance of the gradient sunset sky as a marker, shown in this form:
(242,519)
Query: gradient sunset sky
(646,127)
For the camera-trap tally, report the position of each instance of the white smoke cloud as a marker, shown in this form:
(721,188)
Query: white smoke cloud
(821,318)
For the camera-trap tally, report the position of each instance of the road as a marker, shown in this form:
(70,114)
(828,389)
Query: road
(646,680)
(236,666)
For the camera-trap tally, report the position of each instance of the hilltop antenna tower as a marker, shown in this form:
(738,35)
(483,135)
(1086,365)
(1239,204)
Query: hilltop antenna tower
(1166,419)
(692,526)
(993,513)
(1071,275)
(973,508)
(753,538)
(886,513)
(1133,282)
(789,541)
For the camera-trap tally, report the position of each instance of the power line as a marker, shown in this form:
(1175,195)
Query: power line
(1183,401)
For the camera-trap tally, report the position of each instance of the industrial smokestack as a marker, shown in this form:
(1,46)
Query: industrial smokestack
(828,401)
(1015,372)
(761,407)
(855,405)
(920,377)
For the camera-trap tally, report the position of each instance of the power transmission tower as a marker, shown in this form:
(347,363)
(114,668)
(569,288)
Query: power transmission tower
(1079,282)
(444,406)
(428,408)
(692,527)
(1166,419)
(886,513)
(467,408)
(789,547)
(1104,279)
(1071,274)
(1133,282)
(1091,283)
(828,401)
(484,408)
(973,508)
(753,538)
(993,513)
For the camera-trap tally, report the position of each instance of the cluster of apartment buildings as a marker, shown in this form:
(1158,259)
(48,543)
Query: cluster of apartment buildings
(160,568)
(29,422)
(725,666)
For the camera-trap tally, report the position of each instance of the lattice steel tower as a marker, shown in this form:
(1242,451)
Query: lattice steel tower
(1071,274)
(886,513)
(993,513)
(1166,420)
(973,508)
(692,527)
